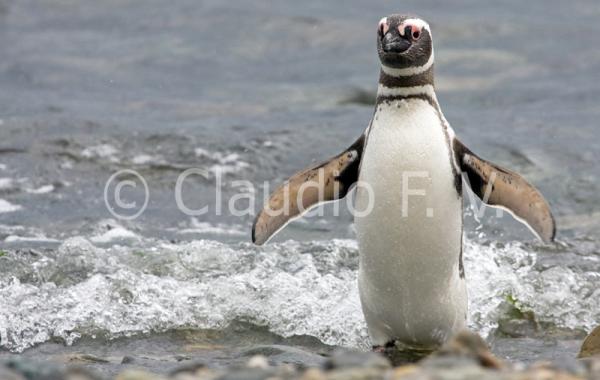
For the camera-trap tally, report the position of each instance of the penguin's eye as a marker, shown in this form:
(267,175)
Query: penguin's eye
(414,31)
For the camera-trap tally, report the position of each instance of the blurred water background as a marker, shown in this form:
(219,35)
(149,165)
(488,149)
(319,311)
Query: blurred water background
(256,90)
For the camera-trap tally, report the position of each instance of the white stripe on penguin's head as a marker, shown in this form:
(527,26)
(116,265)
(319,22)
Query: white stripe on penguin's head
(414,24)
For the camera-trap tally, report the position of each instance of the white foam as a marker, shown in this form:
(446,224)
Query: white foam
(557,295)
(66,165)
(201,152)
(115,234)
(10,229)
(6,206)
(291,288)
(223,162)
(29,239)
(41,190)
(100,151)
(142,159)
(6,183)
(198,227)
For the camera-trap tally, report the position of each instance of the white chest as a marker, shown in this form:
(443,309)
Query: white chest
(409,227)
(407,163)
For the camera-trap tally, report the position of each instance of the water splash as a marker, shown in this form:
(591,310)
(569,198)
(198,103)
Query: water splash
(556,294)
(6,206)
(292,288)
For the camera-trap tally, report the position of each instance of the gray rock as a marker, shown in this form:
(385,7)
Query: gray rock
(400,355)
(7,374)
(344,359)
(249,374)
(86,358)
(467,372)
(448,363)
(80,374)
(593,368)
(128,360)
(181,358)
(138,375)
(470,346)
(35,371)
(188,367)
(356,373)
(279,354)
(518,328)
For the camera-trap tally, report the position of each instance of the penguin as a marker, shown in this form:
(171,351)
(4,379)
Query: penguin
(408,168)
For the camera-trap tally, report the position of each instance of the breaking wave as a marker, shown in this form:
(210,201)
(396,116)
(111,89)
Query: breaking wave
(90,287)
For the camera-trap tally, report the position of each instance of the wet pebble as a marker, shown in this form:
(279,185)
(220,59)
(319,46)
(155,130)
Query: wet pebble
(356,359)
(80,374)
(249,374)
(138,375)
(85,358)
(35,371)
(280,354)
(464,357)
(189,367)
(7,374)
(127,360)
(466,346)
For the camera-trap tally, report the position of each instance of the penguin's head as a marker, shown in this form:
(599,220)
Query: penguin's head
(404,42)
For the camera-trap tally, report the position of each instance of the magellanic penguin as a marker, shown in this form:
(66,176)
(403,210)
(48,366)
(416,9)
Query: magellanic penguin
(408,167)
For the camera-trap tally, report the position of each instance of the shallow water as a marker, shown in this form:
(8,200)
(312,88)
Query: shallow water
(256,91)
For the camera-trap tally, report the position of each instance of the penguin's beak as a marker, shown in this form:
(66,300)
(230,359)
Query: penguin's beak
(394,44)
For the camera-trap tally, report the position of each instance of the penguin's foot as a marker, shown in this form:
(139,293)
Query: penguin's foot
(400,354)
(385,348)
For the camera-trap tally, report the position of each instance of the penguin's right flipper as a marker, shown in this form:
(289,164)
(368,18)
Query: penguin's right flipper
(502,188)
(325,182)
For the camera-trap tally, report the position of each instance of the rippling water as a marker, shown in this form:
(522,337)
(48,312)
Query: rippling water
(254,92)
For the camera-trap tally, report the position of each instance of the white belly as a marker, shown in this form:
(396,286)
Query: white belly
(409,281)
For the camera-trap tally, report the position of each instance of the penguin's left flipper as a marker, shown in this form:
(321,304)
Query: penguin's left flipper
(325,182)
(499,187)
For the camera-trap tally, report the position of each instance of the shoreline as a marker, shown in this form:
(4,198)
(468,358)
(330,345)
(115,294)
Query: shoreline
(466,356)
